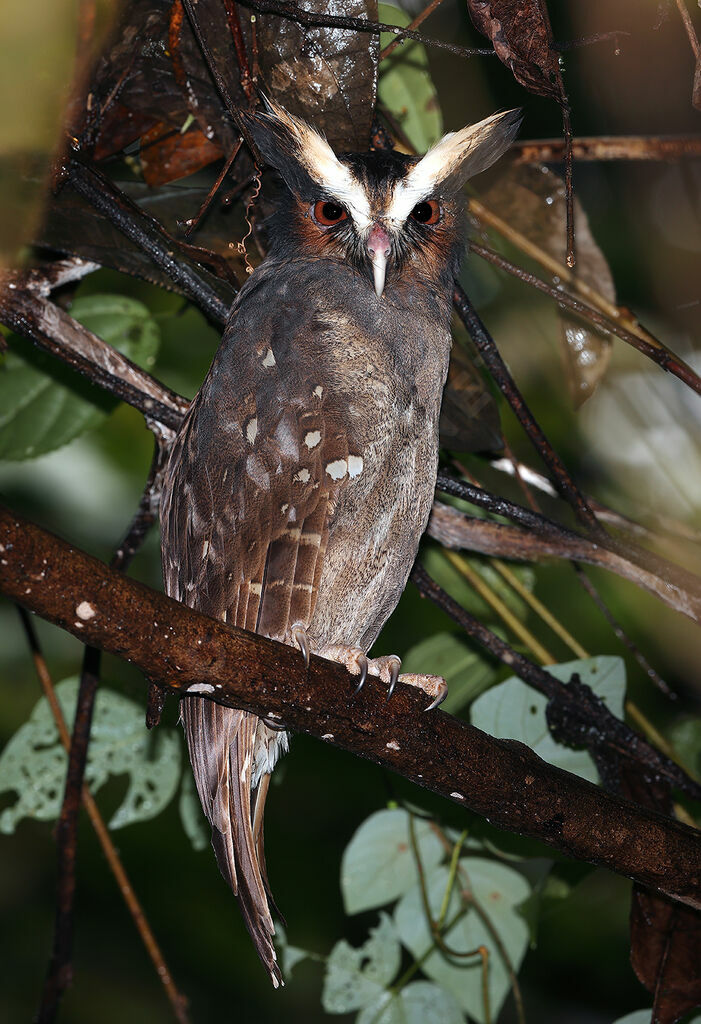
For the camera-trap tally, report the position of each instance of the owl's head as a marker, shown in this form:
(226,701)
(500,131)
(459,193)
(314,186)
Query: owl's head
(389,214)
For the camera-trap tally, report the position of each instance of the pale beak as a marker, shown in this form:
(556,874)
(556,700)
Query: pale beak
(379,247)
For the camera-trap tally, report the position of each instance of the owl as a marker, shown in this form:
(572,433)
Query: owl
(302,477)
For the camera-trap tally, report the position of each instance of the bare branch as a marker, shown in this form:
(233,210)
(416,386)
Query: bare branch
(502,780)
(608,147)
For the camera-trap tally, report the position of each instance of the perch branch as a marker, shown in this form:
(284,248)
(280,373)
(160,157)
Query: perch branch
(502,780)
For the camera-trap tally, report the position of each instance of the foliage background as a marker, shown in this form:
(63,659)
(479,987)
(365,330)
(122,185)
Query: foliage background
(647,219)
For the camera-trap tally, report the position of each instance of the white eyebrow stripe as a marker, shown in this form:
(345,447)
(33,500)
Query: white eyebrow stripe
(335,177)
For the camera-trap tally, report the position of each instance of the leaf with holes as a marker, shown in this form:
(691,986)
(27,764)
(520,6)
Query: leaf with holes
(43,404)
(498,891)
(357,977)
(417,1003)
(33,764)
(405,87)
(513,710)
(378,864)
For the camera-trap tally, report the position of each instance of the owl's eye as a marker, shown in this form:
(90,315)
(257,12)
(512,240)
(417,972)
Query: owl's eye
(327,213)
(428,212)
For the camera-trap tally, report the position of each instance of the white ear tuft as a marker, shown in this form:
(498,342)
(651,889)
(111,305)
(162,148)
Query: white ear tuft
(455,158)
(318,160)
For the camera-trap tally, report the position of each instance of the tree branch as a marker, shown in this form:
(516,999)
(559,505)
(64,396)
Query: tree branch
(190,653)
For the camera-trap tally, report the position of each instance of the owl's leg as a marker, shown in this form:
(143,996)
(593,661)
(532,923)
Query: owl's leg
(387,669)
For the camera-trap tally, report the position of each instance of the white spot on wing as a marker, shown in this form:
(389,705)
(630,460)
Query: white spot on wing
(252,429)
(302,477)
(337,470)
(312,438)
(318,391)
(355,465)
(269,358)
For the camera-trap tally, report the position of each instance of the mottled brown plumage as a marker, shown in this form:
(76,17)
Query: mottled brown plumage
(302,478)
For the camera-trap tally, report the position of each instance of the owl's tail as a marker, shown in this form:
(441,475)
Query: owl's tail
(222,745)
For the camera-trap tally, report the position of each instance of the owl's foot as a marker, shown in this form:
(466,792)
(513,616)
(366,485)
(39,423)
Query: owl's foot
(299,635)
(386,668)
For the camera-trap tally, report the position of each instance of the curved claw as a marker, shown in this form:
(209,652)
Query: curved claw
(362,662)
(299,635)
(394,675)
(440,697)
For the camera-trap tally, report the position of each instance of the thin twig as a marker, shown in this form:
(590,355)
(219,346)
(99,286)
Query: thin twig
(232,16)
(421,17)
(658,353)
(59,973)
(608,147)
(571,257)
(690,30)
(292,12)
(177,1000)
(497,367)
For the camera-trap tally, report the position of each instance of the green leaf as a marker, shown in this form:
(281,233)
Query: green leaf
(43,404)
(191,815)
(405,86)
(685,737)
(465,671)
(357,977)
(33,764)
(418,1003)
(378,864)
(512,710)
(499,891)
(290,956)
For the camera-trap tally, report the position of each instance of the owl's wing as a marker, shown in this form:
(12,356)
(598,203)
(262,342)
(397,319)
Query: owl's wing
(252,483)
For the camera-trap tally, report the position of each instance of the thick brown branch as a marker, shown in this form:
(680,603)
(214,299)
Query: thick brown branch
(31,314)
(453,529)
(503,780)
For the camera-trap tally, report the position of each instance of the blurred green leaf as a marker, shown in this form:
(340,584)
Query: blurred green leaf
(418,1003)
(191,814)
(499,891)
(42,404)
(33,764)
(465,671)
(378,864)
(685,737)
(357,977)
(405,86)
(290,956)
(513,710)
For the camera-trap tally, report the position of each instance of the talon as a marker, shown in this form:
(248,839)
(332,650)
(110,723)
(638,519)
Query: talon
(299,635)
(440,697)
(394,674)
(362,663)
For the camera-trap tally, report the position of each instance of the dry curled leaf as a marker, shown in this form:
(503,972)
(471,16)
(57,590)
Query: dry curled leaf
(666,954)
(522,38)
(531,199)
(328,76)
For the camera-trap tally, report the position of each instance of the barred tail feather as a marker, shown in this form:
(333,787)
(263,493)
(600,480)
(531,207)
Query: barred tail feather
(221,742)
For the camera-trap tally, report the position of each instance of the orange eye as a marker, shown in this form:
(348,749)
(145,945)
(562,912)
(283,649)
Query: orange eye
(327,213)
(428,212)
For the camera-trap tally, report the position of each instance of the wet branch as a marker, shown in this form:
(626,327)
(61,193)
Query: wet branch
(502,780)
(608,147)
